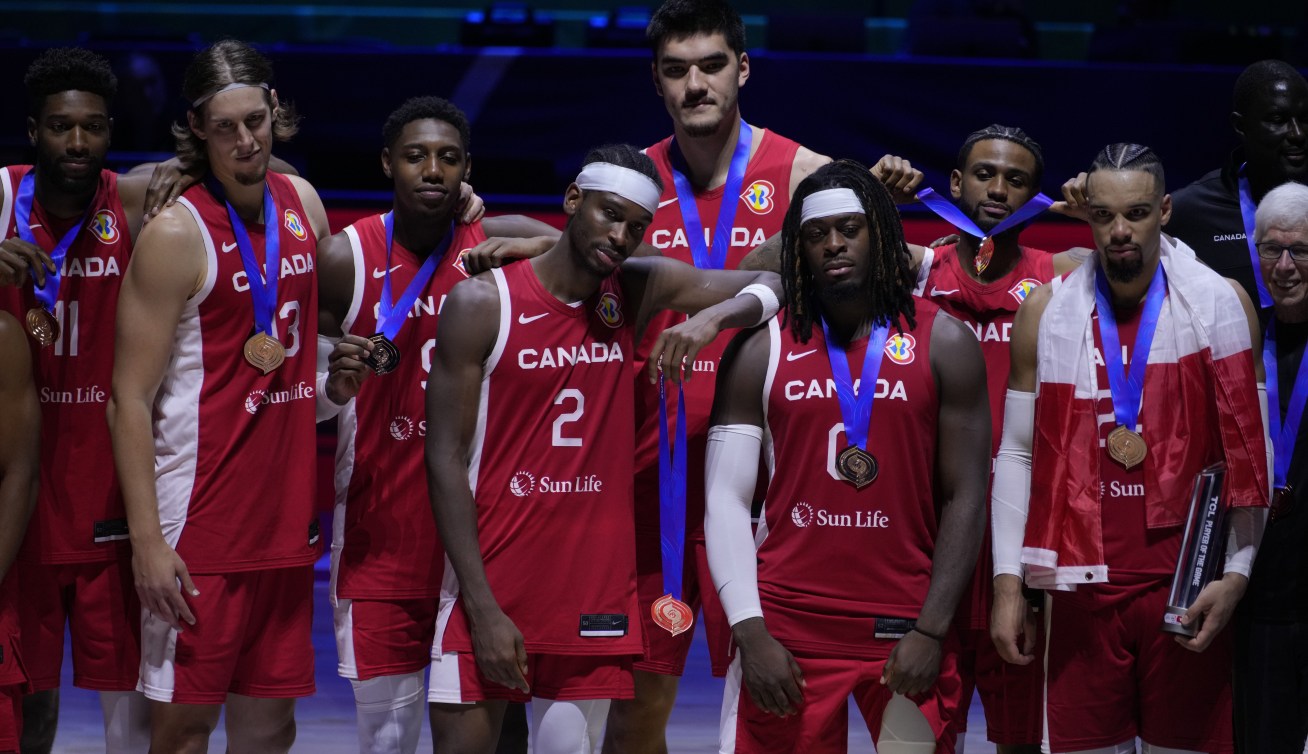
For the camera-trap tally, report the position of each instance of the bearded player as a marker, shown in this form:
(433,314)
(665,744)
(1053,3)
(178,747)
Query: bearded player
(531,468)
(212,418)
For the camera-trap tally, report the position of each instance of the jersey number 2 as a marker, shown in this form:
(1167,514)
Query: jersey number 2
(566,418)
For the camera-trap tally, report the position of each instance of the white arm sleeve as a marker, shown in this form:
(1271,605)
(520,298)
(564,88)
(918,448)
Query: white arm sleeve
(324,406)
(1244,526)
(730,470)
(1011,492)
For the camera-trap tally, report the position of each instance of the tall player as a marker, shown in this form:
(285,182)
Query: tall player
(999,170)
(212,421)
(20,442)
(389,274)
(726,186)
(875,497)
(67,225)
(530,471)
(1103,459)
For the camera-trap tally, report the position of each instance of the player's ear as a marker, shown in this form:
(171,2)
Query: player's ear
(1237,124)
(272,93)
(654,73)
(193,122)
(1165,209)
(956,183)
(743,76)
(31,130)
(386,161)
(467,168)
(571,200)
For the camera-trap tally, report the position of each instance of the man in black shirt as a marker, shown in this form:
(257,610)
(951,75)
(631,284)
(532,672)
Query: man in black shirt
(1270,115)
(1271,663)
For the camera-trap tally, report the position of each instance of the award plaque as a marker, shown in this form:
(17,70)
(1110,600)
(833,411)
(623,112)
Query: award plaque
(1202,545)
(42,326)
(385,356)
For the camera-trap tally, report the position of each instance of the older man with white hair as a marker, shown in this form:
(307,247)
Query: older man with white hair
(1271,661)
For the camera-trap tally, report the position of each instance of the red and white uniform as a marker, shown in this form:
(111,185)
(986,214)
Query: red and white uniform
(550,475)
(384,542)
(76,544)
(836,565)
(1101,692)
(1010,694)
(235,451)
(760,210)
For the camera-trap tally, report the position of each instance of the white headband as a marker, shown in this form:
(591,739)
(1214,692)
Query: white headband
(625,182)
(220,90)
(828,202)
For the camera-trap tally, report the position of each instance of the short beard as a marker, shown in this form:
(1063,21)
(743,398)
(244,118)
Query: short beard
(54,172)
(1124,272)
(251,178)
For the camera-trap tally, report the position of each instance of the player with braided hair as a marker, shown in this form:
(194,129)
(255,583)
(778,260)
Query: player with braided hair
(875,500)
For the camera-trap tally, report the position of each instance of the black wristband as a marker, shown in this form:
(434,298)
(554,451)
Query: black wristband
(940,639)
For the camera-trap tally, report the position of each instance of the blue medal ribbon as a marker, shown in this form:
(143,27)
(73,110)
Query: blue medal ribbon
(1126,386)
(717,258)
(672,492)
(263,288)
(1284,430)
(49,293)
(1248,208)
(856,406)
(391,316)
(949,212)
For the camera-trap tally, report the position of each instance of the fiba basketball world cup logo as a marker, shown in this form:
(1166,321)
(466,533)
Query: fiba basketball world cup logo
(801,515)
(401,428)
(522,484)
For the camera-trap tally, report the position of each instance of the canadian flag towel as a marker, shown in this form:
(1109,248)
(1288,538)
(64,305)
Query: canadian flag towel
(1200,405)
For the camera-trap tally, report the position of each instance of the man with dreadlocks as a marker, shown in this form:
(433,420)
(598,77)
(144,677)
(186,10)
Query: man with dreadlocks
(1094,473)
(872,406)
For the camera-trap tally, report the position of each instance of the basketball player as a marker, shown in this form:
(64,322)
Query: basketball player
(76,559)
(729,182)
(870,527)
(1104,462)
(20,435)
(212,421)
(532,370)
(999,170)
(386,558)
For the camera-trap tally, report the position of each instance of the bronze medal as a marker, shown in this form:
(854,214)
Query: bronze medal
(672,615)
(1126,447)
(264,352)
(984,253)
(385,356)
(857,466)
(42,326)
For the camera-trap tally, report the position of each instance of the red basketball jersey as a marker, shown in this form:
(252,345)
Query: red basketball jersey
(1133,552)
(760,209)
(551,472)
(79,515)
(833,559)
(235,449)
(988,310)
(387,536)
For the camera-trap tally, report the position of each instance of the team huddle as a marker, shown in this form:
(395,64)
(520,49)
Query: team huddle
(729,390)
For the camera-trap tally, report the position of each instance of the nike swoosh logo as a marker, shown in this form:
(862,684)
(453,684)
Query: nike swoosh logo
(792,356)
(669,201)
(382,273)
(525,320)
(228,247)
(937,292)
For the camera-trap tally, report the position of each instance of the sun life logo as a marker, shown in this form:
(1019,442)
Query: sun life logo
(609,310)
(899,347)
(104,226)
(253,401)
(758,197)
(401,428)
(1023,287)
(522,484)
(802,514)
(293,224)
